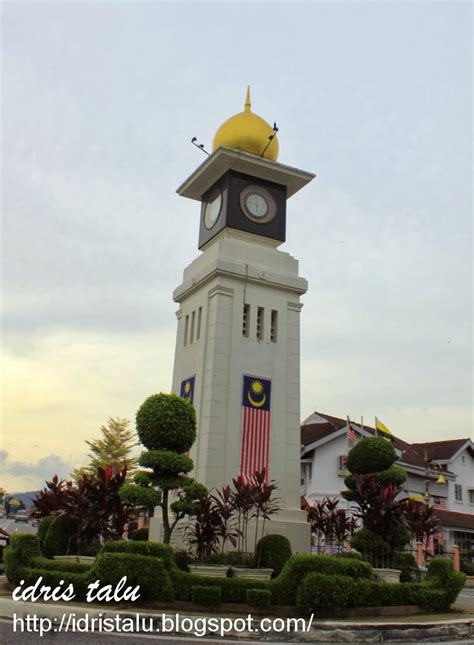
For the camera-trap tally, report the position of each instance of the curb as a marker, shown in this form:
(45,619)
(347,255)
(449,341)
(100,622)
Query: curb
(323,631)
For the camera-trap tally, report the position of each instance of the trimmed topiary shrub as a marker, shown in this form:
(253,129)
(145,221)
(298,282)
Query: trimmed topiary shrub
(395,475)
(261,598)
(58,539)
(441,575)
(370,455)
(155,549)
(321,592)
(284,587)
(166,422)
(141,534)
(43,526)
(206,596)
(147,571)
(273,551)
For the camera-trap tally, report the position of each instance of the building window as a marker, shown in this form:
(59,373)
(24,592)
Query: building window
(458,492)
(198,334)
(471,496)
(245,320)
(186,326)
(193,320)
(274,326)
(260,320)
(309,472)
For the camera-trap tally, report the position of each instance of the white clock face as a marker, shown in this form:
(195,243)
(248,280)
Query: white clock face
(213,208)
(257,205)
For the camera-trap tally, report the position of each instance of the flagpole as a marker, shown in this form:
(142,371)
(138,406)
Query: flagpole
(361,422)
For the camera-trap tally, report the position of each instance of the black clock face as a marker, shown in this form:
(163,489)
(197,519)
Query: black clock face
(213,208)
(257,204)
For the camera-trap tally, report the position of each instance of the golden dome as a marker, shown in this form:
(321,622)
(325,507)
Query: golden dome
(249,132)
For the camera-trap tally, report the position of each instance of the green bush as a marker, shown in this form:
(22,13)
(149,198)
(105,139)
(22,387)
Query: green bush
(166,422)
(321,592)
(406,562)
(155,549)
(370,455)
(394,475)
(183,559)
(431,599)
(371,546)
(147,571)
(284,587)
(441,575)
(43,527)
(261,598)
(273,551)
(168,463)
(58,539)
(141,534)
(206,596)
(23,548)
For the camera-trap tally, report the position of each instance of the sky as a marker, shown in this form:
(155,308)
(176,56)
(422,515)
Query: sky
(100,101)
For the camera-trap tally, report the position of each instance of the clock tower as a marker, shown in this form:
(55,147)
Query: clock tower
(238,340)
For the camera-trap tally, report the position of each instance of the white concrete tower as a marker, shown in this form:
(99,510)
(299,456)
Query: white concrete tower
(239,315)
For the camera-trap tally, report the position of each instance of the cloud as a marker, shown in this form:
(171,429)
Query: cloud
(31,475)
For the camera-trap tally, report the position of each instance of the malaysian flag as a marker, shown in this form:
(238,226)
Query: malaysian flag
(187,389)
(255,426)
(351,435)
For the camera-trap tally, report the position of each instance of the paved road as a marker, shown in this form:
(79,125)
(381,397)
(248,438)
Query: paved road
(466,597)
(7,637)
(21,527)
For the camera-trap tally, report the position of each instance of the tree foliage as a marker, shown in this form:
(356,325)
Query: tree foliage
(113,448)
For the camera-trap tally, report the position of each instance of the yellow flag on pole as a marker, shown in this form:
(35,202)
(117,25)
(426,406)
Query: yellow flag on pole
(382,430)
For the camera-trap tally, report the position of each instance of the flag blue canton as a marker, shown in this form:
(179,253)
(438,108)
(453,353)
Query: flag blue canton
(187,389)
(256,393)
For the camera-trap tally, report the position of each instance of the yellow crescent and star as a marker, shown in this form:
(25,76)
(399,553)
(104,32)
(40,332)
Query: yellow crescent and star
(256,387)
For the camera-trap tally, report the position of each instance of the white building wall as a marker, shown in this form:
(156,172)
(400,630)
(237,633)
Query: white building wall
(463,467)
(327,480)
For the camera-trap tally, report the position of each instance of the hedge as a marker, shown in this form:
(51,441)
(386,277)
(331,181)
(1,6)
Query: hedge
(155,549)
(273,551)
(261,598)
(319,591)
(147,571)
(285,587)
(23,548)
(68,566)
(207,596)
(312,582)
(233,589)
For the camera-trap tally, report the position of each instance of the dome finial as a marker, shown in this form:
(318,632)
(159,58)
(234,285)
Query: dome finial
(247,100)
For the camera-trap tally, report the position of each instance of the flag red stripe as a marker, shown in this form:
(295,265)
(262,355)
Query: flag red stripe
(255,441)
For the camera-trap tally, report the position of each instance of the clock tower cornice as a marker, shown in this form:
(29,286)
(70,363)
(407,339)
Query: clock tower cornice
(225,159)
